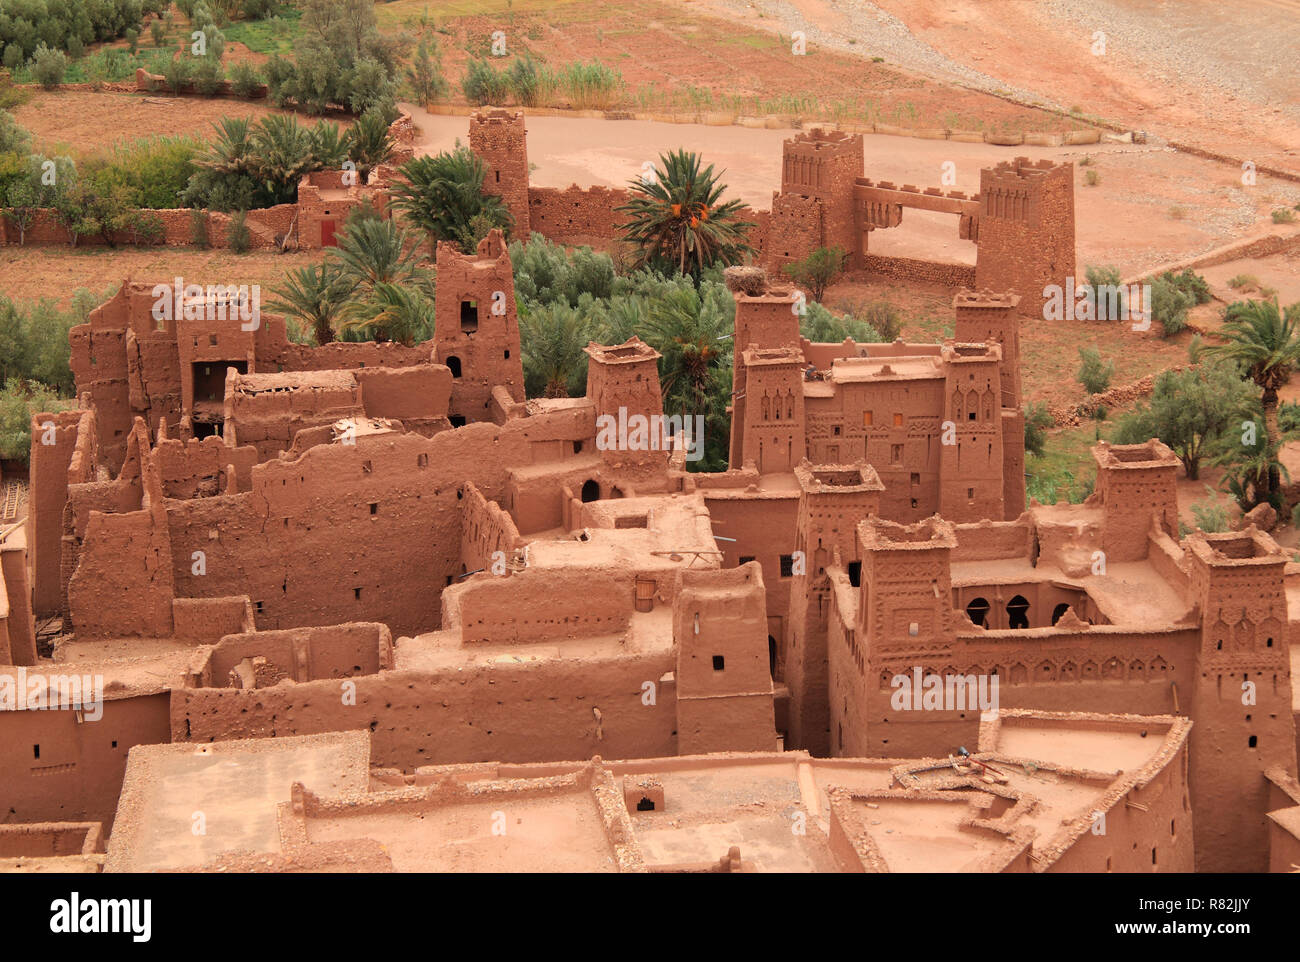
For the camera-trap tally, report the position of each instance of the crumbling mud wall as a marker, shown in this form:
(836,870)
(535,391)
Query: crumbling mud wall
(514,711)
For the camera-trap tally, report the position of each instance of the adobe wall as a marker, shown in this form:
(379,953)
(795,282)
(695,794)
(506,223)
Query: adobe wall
(485,529)
(994,540)
(303,654)
(208,620)
(515,712)
(763,526)
(17,628)
(724,689)
(48,493)
(306,548)
(418,396)
(542,605)
(78,774)
(267,410)
(196,468)
(177,229)
(108,596)
(577,214)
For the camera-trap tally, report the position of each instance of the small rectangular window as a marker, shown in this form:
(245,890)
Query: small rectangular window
(898,420)
(787,565)
(867,418)
(719,663)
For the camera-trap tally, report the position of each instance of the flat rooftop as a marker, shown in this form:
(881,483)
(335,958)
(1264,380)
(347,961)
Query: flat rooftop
(689,813)
(236,785)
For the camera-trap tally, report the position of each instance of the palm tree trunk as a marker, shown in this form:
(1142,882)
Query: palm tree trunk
(1269,403)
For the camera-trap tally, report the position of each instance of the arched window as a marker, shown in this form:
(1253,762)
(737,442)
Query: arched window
(978,610)
(1018,612)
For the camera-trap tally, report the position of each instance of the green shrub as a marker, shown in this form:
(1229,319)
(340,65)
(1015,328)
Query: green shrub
(817,270)
(157,32)
(245,79)
(1190,283)
(1169,306)
(425,76)
(49,66)
(1092,178)
(1210,516)
(238,236)
(208,76)
(178,71)
(19,402)
(199,228)
(1094,374)
(1283,215)
(1037,420)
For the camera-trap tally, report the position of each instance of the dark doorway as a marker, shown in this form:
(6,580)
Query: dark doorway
(468,317)
(453,363)
(591,491)
(210,379)
(771,656)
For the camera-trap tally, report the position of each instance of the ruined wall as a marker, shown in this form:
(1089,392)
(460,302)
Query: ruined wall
(48,493)
(267,410)
(207,620)
(512,712)
(364,532)
(485,529)
(196,468)
(304,654)
(543,605)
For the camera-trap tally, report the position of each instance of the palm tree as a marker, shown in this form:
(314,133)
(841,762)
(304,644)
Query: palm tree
(552,338)
(686,329)
(679,222)
(392,312)
(329,144)
(369,143)
(284,151)
(443,196)
(315,296)
(231,151)
(1261,340)
(372,251)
